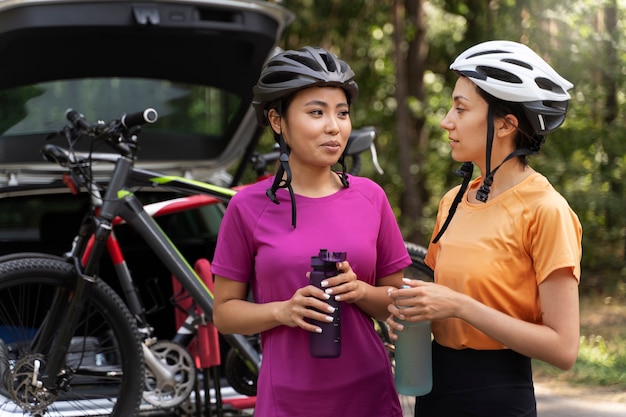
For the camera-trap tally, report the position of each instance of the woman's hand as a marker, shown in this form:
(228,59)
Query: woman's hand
(423,301)
(306,304)
(345,286)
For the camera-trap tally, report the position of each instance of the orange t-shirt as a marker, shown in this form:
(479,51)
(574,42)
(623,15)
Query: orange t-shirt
(499,252)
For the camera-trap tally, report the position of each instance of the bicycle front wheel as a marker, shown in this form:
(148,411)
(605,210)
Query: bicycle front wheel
(103,371)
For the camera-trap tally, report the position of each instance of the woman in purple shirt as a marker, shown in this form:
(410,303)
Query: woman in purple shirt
(264,242)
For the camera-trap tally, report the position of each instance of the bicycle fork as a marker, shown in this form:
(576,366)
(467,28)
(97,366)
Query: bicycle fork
(57,346)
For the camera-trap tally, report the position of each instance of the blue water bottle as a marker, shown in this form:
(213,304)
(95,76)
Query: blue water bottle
(413,358)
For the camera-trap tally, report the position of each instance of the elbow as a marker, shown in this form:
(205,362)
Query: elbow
(220,324)
(568,362)
(566,359)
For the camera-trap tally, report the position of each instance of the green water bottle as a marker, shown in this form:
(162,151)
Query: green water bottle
(413,358)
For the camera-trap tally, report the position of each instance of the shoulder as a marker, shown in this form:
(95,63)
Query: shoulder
(539,193)
(252,191)
(365,188)
(250,198)
(546,208)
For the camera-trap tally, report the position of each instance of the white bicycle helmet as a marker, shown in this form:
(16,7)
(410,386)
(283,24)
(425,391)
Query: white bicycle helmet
(513,72)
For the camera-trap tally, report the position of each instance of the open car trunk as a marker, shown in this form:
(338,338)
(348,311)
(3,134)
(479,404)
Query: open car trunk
(195,62)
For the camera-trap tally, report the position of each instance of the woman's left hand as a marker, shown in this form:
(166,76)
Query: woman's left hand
(345,286)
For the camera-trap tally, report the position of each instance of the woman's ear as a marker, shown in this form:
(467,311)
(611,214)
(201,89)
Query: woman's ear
(274,119)
(508,125)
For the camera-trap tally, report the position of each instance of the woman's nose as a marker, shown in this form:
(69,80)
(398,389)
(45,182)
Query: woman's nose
(446,123)
(332,124)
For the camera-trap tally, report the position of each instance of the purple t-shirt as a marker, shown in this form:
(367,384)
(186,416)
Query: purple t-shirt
(257,244)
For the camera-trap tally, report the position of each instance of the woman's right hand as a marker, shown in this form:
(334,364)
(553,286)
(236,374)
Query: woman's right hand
(308,303)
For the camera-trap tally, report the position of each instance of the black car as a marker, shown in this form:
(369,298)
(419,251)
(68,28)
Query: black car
(194,61)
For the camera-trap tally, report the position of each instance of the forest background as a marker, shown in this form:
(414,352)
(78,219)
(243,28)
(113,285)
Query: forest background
(401,50)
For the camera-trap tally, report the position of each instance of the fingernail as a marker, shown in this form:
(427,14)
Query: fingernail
(318,330)
(337,298)
(326,296)
(324,284)
(329,291)
(331,309)
(388,292)
(406,280)
(400,326)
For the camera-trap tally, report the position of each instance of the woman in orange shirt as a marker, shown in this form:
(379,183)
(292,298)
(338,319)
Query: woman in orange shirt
(508,265)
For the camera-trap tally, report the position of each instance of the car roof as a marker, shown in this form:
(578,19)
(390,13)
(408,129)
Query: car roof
(194,61)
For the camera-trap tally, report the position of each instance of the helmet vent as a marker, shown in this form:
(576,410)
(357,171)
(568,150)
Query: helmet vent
(546,84)
(278,78)
(499,74)
(330,63)
(306,61)
(490,52)
(520,63)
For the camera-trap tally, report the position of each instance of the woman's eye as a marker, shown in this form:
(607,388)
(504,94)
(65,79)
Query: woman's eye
(459,109)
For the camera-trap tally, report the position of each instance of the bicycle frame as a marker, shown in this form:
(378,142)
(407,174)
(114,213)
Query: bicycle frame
(121,205)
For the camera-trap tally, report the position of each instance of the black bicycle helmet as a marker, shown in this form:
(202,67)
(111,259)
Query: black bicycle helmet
(290,71)
(285,74)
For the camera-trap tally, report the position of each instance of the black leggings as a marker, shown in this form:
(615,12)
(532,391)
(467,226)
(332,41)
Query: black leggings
(478,383)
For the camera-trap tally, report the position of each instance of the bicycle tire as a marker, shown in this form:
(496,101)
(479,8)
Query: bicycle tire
(104,366)
(237,373)
(418,269)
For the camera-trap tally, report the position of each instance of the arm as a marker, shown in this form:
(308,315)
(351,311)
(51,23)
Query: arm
(559,302)
(232,313)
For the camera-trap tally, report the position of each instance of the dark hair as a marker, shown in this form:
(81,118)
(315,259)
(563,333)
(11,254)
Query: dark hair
(525,138)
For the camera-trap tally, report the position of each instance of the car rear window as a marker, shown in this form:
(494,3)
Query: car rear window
(195,121)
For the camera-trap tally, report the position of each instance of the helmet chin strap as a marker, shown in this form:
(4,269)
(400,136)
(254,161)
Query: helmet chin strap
(465,172)
(482,194)
(343,176)
(283,171)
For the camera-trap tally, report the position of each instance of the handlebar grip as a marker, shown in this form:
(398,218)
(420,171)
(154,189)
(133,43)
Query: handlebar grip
(77,119)
(149,115)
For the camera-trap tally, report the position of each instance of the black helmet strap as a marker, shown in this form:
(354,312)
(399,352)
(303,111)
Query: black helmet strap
(465,172)
(283,171)
(482,194)
(343,176)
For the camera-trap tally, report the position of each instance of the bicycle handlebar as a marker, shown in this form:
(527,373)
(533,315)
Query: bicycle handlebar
(149,115)
(77,119)
(118,133)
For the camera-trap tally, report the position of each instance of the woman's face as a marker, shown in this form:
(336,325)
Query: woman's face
(316,126)
(466,123)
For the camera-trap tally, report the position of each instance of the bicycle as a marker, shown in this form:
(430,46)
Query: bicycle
(97,369)
(89,247)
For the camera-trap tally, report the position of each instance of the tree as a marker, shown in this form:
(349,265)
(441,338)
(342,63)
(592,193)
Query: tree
(410,52)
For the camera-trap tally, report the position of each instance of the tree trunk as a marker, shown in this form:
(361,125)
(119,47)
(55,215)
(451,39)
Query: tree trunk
(410,56)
